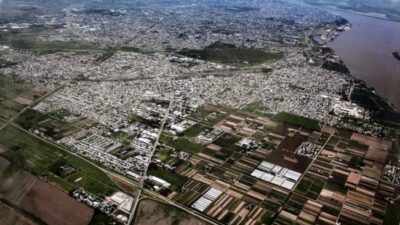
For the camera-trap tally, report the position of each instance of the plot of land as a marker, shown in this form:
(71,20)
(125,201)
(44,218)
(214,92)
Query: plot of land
(16,95)
(55,207)
(152,212)
(10,217)
(38,157)
(3,165)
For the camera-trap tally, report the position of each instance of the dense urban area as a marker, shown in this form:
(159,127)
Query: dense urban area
(188,112)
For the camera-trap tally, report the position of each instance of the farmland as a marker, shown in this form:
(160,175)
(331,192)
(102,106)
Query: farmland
(43,201)
(232,163)
(16,95)
(40,203)
(11,217)
(38,157)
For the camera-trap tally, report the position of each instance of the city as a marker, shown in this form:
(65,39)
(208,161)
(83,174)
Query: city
(204,112)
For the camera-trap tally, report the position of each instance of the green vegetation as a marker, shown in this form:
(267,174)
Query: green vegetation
(164,154)
(10,89)
(228,142)
(26,39)
(194,130)
(277,195)
(151,123)
(101,219)
(171,177)
(310,187)
(39,157)
(182,144)
(122,136)
(233,56)
(392,215)
(257,108)
(356,162)
(297,120)
(367,98)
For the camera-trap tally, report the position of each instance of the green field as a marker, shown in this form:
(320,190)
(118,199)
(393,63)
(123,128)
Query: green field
(10,89)
(233,56)
(26,39)
(182,144)
(39,157)
(194,130)
(228,142)
(171,177)
(257,109)
(297,120)
(392,215)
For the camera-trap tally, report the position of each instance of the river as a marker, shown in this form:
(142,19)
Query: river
(367,51)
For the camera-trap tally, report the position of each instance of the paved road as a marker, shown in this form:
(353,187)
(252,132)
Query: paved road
(143,177)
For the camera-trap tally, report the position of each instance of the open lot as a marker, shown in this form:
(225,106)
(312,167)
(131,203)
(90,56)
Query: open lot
(151,212)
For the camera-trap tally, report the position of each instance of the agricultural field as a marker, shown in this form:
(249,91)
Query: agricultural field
(322,161)
(182,144)
(297,121)
(40,157)
(16,95)
(11,217)
(42,202)
(152,212)
(345,173)
(51,125)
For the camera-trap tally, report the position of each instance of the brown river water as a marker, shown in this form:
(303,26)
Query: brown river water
(367,50)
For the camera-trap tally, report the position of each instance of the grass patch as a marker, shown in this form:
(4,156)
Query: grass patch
(228,142)
(257,108)
(194,130)
(392,215)
(297,120)
(182,144)
(171,177)
(231,55)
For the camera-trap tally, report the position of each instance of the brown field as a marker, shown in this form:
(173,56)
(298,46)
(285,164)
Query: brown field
(3,164)
(14,188)
(292,143)
(55,207)
(10,217)
(372,141)
(289,160)
(43,201)
(155,213)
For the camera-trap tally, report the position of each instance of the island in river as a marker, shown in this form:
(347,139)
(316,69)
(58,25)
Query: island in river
(396,55)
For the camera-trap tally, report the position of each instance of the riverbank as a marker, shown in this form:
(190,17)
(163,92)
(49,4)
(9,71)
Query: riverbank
(367,50)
